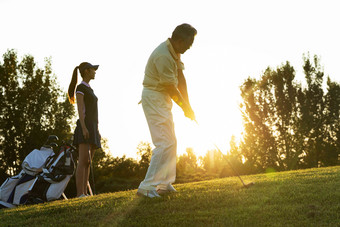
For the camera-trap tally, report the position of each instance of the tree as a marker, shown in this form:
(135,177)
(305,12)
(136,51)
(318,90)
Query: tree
(332,133)
(144,153)
(287,126)
(318,117)
(259,145)
(213,162)
(187,163)
(32,107)
(234,158)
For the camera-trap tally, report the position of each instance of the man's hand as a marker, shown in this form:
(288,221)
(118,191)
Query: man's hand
(189,113)
(176,95)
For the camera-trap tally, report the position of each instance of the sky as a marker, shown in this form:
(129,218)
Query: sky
(235,40)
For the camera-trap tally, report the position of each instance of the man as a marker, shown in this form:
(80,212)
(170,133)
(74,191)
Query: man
(164,81)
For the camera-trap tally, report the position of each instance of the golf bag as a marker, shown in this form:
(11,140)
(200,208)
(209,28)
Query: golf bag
(44,177)
(51,183)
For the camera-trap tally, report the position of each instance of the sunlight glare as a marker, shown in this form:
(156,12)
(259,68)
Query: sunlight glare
(210,131)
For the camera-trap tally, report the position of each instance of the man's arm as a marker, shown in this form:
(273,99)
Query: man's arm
(182,86)
(178,98)
(165,68)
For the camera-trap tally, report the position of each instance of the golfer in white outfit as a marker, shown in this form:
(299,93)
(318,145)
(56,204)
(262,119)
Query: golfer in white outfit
(163,82)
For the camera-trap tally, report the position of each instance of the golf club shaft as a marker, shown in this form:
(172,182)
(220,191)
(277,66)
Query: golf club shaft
(231,166)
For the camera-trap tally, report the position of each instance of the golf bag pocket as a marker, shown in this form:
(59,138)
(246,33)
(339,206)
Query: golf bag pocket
(35,160)
(43,191)
(55,190)
(19,192)
(8,186)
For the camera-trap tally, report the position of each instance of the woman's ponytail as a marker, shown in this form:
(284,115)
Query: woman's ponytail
(72,86)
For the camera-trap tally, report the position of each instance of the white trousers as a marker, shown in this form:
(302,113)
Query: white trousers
(162,169)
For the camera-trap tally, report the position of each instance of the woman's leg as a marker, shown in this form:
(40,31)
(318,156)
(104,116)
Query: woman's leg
(87,173)
(82,169)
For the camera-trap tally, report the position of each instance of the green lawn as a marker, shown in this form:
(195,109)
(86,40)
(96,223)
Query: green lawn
(295,198)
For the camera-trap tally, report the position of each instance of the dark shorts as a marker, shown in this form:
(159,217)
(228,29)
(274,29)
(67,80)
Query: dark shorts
(92,127)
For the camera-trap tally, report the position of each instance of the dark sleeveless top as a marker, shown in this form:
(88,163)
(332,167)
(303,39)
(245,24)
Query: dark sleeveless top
(91,118)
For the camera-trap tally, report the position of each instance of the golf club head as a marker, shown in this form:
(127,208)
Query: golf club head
(249,184)
(53,145)
(52,138)
(51,141)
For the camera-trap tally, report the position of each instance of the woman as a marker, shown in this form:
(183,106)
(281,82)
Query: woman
(86,134)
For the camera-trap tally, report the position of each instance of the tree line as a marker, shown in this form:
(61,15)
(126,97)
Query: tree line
(287,125)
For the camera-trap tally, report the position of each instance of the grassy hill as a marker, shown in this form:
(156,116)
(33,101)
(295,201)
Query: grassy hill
(295,198)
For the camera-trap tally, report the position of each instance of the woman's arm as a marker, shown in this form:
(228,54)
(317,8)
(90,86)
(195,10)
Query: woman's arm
(81,112)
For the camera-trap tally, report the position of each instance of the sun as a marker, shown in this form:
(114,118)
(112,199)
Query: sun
(212,130)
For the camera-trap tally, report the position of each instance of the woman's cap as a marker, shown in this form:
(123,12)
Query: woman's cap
(86,65)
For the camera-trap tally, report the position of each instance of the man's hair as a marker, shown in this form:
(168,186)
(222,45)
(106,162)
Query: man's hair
(183,31)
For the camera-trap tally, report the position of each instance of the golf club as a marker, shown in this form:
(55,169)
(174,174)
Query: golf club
(231,166)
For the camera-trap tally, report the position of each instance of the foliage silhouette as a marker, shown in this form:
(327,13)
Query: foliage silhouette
(32,107)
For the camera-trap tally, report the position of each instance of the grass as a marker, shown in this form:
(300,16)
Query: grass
(295,198)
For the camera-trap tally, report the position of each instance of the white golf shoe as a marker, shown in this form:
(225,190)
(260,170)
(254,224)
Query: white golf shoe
(169,188)
(147,193)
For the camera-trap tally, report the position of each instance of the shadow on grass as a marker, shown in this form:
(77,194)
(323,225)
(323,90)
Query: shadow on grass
(139,211)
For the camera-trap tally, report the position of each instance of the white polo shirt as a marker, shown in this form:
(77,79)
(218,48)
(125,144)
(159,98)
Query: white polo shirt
(162,68)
